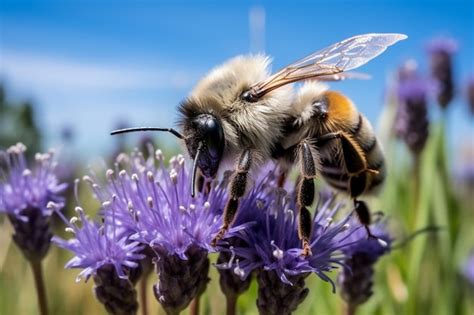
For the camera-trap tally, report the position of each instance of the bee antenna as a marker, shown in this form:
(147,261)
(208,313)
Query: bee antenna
(126,130)
(194,171)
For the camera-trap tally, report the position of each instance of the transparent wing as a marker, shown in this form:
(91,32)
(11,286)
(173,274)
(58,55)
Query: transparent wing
(349,54)
(343,76)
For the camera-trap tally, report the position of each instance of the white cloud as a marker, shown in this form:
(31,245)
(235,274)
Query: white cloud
(39,72)
(90,97)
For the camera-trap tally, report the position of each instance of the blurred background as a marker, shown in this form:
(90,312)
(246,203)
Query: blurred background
(70,72)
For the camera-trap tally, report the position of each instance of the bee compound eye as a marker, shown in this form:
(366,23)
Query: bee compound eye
(214,138)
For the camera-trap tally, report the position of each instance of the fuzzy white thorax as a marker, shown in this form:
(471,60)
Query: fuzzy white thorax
(255,125)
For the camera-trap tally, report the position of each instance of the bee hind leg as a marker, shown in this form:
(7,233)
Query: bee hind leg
(237,185)
(305,196)
(353,156)
(356,166)
(363,213)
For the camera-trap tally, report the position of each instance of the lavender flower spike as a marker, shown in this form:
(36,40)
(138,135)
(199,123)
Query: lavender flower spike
(470,94)
(411,121)
(107,255)
(441,51)
(356,278)
(24,195)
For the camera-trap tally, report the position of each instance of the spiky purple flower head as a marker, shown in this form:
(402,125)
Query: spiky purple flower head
(271,247)
(441,51)
(356,278)
(153,203)
(25,192)
(109,256)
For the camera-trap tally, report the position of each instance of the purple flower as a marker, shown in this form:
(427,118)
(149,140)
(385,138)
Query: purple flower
(411,121)
(441,51)
(96,245)
(107,255)
(26,187)
(468,270)
(356,278)
(271,246)
(152,203)
(470,94)
(442,45)
(24,194)
(272,242)
(372,247)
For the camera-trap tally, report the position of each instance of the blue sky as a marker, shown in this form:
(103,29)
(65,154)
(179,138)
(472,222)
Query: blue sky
(93,65)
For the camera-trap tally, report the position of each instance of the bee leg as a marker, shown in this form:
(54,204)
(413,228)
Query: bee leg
(282,175)
(356,166)
(357,186)
(203,184)
(363,213)
(305,196)
(353,155)
(238,185)
(354,161)
(324,139)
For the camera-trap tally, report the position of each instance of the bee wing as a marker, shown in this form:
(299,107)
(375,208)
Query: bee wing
(344,76)
(346,55)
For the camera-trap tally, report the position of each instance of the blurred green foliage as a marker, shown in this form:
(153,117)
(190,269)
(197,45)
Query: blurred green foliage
(18,124)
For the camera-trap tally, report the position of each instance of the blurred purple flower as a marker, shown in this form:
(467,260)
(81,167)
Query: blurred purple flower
(441,51)
(356,278)
(411,120)
(442,45)
(468,270)
(107,255)
(24,195)
(464,173)
(470,94)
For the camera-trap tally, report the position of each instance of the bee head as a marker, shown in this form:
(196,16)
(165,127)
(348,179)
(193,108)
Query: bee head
(205,142)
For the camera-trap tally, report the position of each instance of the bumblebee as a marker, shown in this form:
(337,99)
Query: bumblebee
(239,116)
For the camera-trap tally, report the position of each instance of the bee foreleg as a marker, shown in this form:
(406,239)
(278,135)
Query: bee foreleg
(305,196)
(237,185)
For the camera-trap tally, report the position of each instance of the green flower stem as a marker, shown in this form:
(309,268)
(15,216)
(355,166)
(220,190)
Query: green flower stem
(416,180)
(351,310)
(144,294)
(40,288)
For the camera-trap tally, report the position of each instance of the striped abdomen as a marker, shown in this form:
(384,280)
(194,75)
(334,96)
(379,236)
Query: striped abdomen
(335,172)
